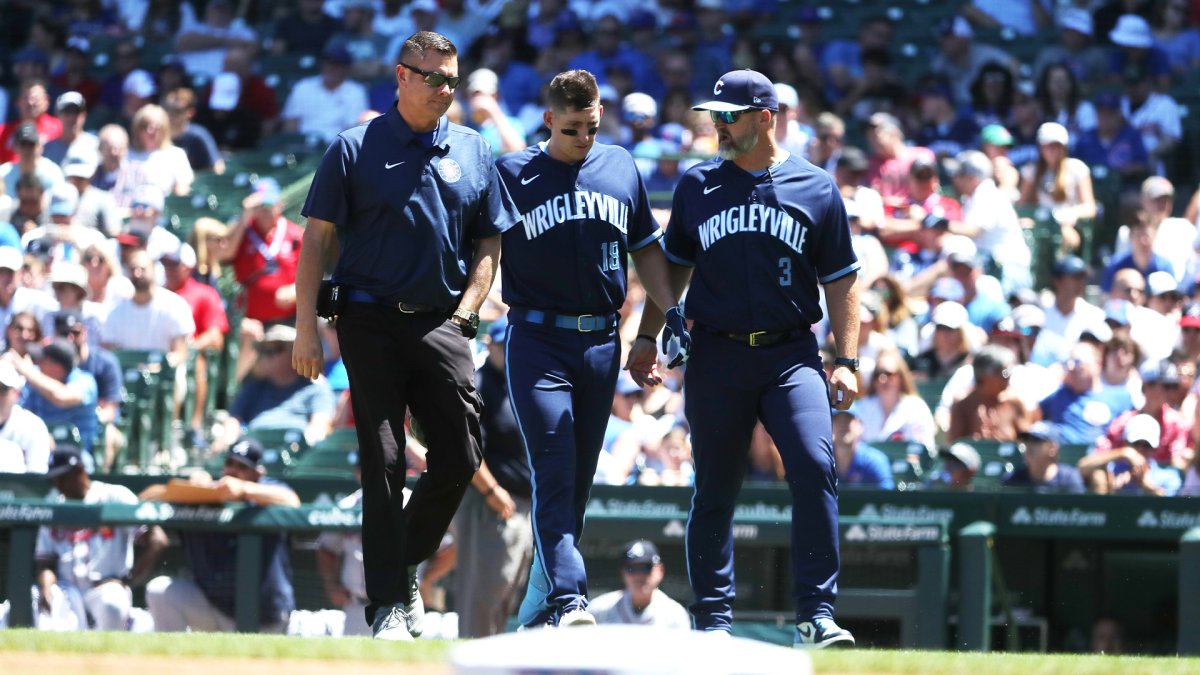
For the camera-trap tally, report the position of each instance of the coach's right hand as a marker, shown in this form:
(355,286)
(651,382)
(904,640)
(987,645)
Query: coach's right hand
(308,357)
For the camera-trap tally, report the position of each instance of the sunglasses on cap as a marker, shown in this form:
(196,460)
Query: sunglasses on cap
(433,79)
(725,117)
(591,131)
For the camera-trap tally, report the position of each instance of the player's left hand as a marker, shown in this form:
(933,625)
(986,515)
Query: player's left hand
(843,388)
(642,363)
(676,341)
(230,489)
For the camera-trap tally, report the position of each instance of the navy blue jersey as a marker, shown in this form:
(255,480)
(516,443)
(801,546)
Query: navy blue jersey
(760,244)
(407,213)
(580,221)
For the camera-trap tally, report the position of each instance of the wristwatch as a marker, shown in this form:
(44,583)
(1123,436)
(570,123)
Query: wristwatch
(852,364)
(471,319)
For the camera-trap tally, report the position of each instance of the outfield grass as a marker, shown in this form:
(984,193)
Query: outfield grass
(437,651)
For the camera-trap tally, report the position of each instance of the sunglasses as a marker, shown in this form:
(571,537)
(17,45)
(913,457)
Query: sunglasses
(591,131)
(725,117)
(435,80)
(639,568)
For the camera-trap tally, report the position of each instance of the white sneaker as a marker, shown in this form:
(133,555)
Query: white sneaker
(391,623)
(576,617)
(415,610)
(820,633)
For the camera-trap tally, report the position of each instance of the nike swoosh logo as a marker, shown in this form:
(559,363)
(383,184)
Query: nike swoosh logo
(708,190)
(527,181)
(392,166)
(806,632)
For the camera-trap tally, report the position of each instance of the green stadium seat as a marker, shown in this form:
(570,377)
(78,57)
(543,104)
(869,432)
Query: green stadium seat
(334,457)
(911,461)
(996,460)
(281,445)
(930,391)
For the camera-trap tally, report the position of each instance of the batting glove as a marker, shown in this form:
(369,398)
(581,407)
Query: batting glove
(676,342)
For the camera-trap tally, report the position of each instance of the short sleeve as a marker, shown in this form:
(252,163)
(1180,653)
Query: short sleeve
(498,213)
(328,196)
(181,314)
(679,247)
(643,230)
(323,400)
(833,254)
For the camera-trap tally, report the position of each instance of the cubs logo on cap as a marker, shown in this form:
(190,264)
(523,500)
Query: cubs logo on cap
(742,90)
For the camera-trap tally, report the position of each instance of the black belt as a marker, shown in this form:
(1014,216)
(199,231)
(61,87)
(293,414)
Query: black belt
(760,338)
(584,323)
(404,307)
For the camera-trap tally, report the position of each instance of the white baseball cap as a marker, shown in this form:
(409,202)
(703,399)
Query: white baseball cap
(1161,282)
(484,81)
(139,83)
(951,315)
(185,254)
(1053,132)
(64,272)
(1143,428)
(1076,19)
(786,94)
(226,90)
(9,376)
(1132,31)
(11,259)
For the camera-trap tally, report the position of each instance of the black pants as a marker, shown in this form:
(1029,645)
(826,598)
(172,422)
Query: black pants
(422,362)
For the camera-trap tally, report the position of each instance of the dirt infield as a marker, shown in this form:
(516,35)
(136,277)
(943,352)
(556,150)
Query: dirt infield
(32,663)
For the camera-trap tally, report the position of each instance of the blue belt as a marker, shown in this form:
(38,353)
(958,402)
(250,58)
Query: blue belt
(584,324)
(405,307)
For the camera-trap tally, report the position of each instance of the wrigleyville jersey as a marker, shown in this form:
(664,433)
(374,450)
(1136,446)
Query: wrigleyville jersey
(579,223)
(760,243)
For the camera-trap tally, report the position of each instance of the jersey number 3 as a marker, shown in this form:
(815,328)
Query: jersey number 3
(785,271)
(610,257)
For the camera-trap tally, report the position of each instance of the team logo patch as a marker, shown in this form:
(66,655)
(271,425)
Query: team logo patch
(449,170)
(718,87)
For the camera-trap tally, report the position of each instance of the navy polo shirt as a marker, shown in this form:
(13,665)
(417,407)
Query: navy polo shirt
(407,212)
(579,223)
(213,559)
(760,243)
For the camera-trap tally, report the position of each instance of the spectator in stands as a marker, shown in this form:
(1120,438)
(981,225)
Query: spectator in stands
(992,93)
(960,57)
(145,221)
(125,59)
(276,396)
(23,332)
(850,176)
(33,107)
(153,319)
(943,129)
(1024,17)
(208,314)
(206,602)
(1024,123)
(305,30)
(827,141)
(519,81)
(1118,366)
(1160,380)
(1166,299)
(866,246)
(15,297)
(1087,61)
(106,285)
(202,44)
(85,573)
(858,463)
(1114,144)
(358,36)
(950,348)
(891,160)
(989,219)
(76,73)
(1154,115)
(154,158)
(1041,469)
(841,60)
(992,410)
(994,141)
(1069,315)
(138,90)
(24,439)
(1060,183)
(892,410)
(68,283)
(790,134)
(1082,408)
(58,391)
(1130,467)
(960,463)
(71,108)
(1175,35)
(96,210)
(900,326)
(985,304)
(872,340)
(1134,45)
(29,162)
(463,21)
(63,238)
(880,89)
(502,132)
(196,141)
(1063,103)
(641,602)
(342,100)
(70,324)
(113,173)
(256,99)
(493,536)
(28,211)
(233,127)
(1174,238)
(1141,256)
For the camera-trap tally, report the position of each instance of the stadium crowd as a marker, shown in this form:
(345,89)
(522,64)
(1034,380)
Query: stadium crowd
(1025,219)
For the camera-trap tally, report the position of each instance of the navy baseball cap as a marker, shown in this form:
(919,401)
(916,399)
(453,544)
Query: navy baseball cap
(641,551)
(64,458)
(246,451)
(1040,431)
(1069,266)
(740,90)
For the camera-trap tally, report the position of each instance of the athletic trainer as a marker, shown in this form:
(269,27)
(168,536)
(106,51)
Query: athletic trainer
(756,231)
(417,209)
(584,210)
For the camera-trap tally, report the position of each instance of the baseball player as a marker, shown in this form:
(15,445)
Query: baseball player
(584,210)
(756,231)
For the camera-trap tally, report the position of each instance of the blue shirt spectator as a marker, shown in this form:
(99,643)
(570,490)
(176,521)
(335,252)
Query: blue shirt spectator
(1155,263)
(1082,417)
(9,235)
(1122,152)
(869,467)
(262,403)
(39,396)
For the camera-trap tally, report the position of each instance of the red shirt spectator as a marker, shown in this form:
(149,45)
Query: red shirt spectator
(207,309)
(264,248)
(49,128)
(890,176)
(1174,444)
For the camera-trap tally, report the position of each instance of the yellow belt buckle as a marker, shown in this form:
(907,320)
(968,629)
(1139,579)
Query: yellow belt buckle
(579,323)
(754,337)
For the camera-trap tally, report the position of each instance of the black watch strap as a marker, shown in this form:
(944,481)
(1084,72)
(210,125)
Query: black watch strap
(852,364)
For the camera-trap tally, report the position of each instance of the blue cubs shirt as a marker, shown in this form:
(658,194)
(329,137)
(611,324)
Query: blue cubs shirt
(760,244)
(579,223)
(407,211)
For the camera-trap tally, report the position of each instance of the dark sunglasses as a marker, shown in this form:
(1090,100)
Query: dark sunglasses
(434,80)
(591,131)
(725,117)
(639,568)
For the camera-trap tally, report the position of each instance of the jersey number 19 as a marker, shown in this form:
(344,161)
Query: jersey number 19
(610,257)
